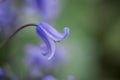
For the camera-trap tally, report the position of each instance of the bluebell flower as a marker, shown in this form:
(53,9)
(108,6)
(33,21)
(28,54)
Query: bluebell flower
(49,9)
(7,16)
(49,77)
(50,36)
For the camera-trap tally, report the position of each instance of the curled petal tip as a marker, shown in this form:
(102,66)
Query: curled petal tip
(53,33)
(66,32)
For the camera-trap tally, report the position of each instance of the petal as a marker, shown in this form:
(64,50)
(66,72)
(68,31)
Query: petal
(52,33)
(50,44)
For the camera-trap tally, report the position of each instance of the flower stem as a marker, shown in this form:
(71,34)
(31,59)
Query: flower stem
(24,26)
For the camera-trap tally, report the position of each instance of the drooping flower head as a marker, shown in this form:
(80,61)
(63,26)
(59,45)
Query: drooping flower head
(49,9)
(50,36)
(7,16)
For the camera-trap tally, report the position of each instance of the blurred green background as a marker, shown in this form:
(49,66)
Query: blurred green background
(93,47)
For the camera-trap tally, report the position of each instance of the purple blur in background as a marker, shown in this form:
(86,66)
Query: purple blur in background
(71,78)
(7,17)
(35,62)
(48,9)
(49,77)
(1,74)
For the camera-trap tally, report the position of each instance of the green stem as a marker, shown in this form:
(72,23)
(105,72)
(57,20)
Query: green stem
(6,40)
